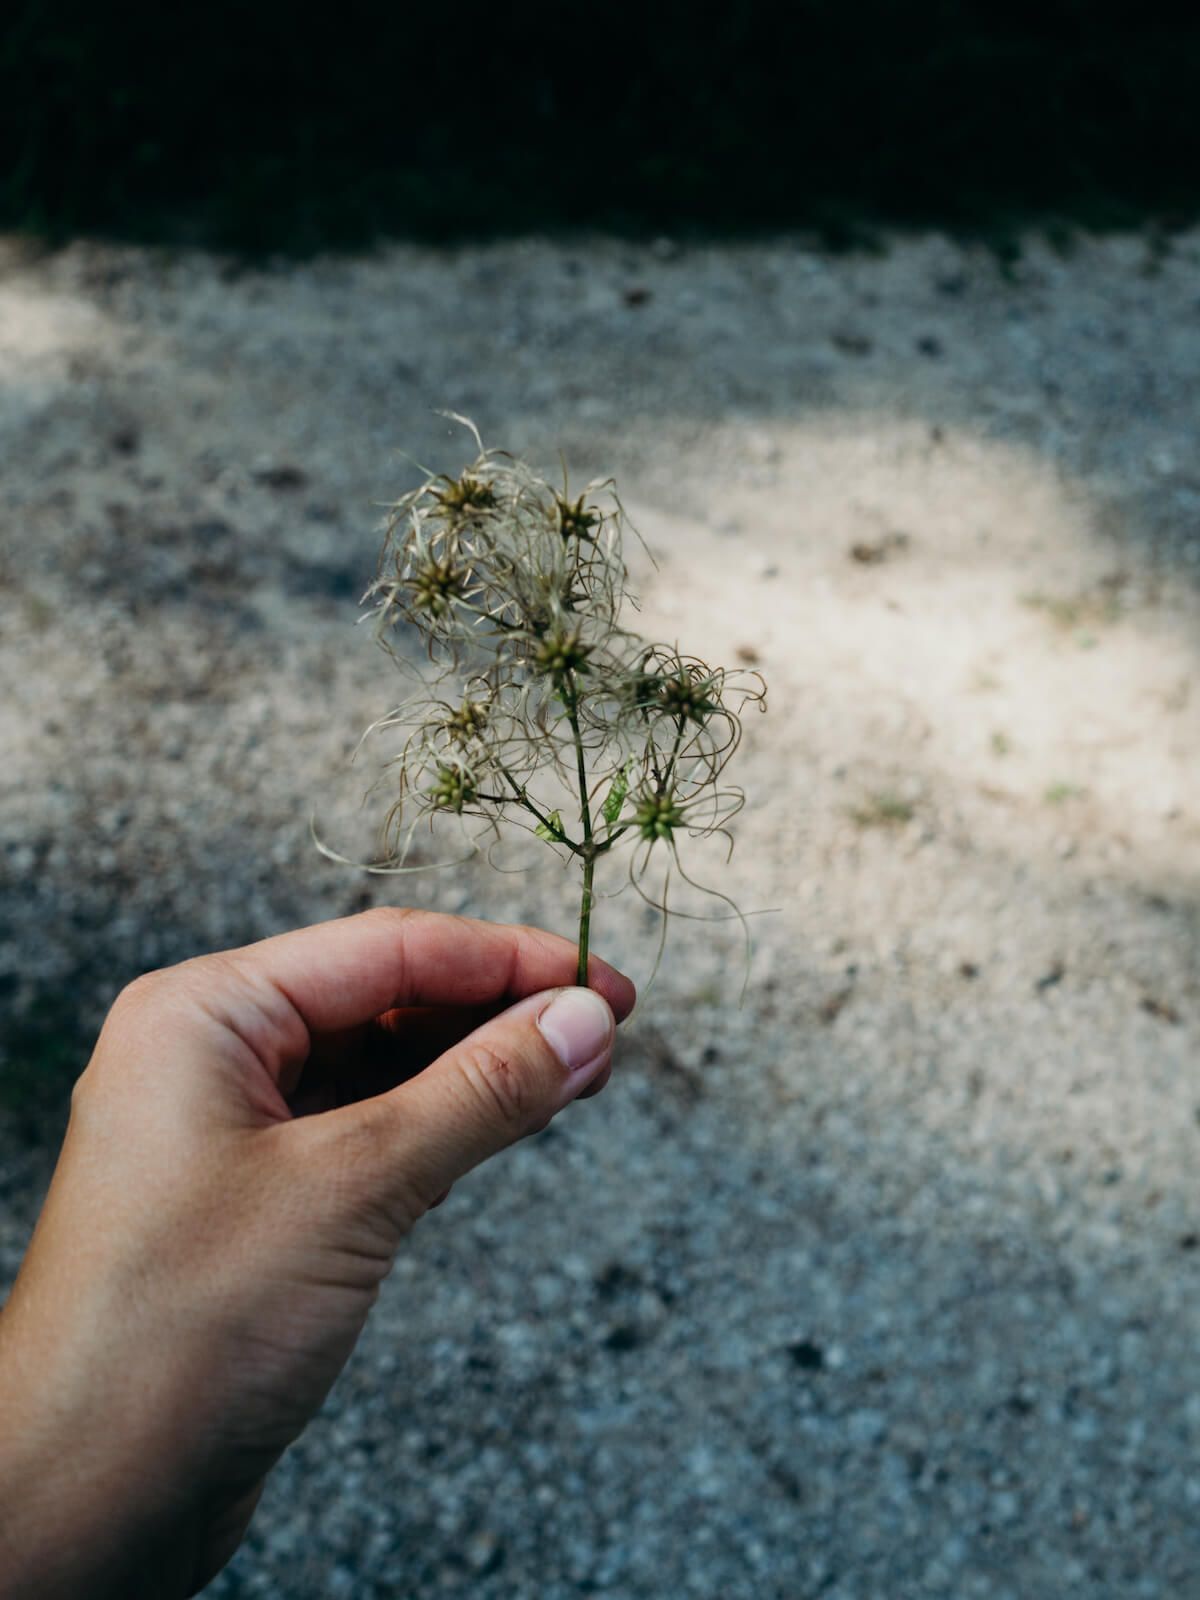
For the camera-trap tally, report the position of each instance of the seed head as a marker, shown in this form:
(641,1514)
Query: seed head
(575,520)
(686,698)
(467,721)
(516,590)
(452,790)
(460,497)
(436,585)
(658,814)
(561,652)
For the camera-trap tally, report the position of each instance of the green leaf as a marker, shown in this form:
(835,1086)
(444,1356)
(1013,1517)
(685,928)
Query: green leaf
(551,829)
(615,798)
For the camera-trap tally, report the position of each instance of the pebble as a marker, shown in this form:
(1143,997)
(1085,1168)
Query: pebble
(866,1427)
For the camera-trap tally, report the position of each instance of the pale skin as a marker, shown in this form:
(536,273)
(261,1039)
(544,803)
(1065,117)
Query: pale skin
(254,1136)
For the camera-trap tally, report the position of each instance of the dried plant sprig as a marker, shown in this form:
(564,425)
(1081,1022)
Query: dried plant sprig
(543,711)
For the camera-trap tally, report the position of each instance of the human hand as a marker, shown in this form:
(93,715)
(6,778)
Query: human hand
(254,1135)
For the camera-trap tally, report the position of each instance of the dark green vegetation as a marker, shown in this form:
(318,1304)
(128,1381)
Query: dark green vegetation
(271,127)
(41,1055)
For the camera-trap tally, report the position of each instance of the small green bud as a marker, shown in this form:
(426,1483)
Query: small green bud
(452,791)
(463,496)
(658,815)
(561,652)
(575,520)
(435,586)
(467,722)
(684,698)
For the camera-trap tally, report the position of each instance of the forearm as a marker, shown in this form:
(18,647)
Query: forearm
(78,1520)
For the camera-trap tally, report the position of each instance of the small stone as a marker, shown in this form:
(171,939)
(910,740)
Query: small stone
(807,1354)
(342,1580)
(623,1337)
(283,475)
(1006,1506)
(483,1552)
(866,1427)
(852,343)
(762,448)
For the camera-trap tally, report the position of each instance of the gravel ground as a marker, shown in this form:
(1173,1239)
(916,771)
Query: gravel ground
(884,1284)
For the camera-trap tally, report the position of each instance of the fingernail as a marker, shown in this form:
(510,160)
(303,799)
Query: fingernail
(578,1027)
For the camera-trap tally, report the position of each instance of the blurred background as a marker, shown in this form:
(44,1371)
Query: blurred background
(270,126)
(885,1281)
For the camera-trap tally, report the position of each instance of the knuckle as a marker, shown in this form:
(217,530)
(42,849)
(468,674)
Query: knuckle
(392,917)
(139,991)
(111,1057)
(197,973)
(497,1083)
(82,1091)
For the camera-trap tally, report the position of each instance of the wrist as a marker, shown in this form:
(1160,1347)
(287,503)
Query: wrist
(77,1516)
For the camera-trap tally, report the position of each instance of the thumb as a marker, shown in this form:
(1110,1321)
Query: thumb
(505,1080)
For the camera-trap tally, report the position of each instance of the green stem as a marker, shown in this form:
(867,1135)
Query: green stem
(585,918)
(588,850)
(674,754)
(523,797)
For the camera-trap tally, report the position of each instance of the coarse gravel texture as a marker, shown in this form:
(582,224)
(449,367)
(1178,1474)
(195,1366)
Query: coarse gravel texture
(882,1284)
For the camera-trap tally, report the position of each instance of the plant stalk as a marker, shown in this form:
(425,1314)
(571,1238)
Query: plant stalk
(588,852)
(585,919)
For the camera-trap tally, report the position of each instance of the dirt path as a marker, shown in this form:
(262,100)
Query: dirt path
(884,1284)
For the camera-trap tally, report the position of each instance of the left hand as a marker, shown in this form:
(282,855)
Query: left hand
(208,1253)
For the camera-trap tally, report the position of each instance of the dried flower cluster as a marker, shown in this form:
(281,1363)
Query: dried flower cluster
(544,712)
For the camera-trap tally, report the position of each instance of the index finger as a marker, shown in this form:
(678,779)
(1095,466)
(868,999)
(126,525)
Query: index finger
(342,973)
